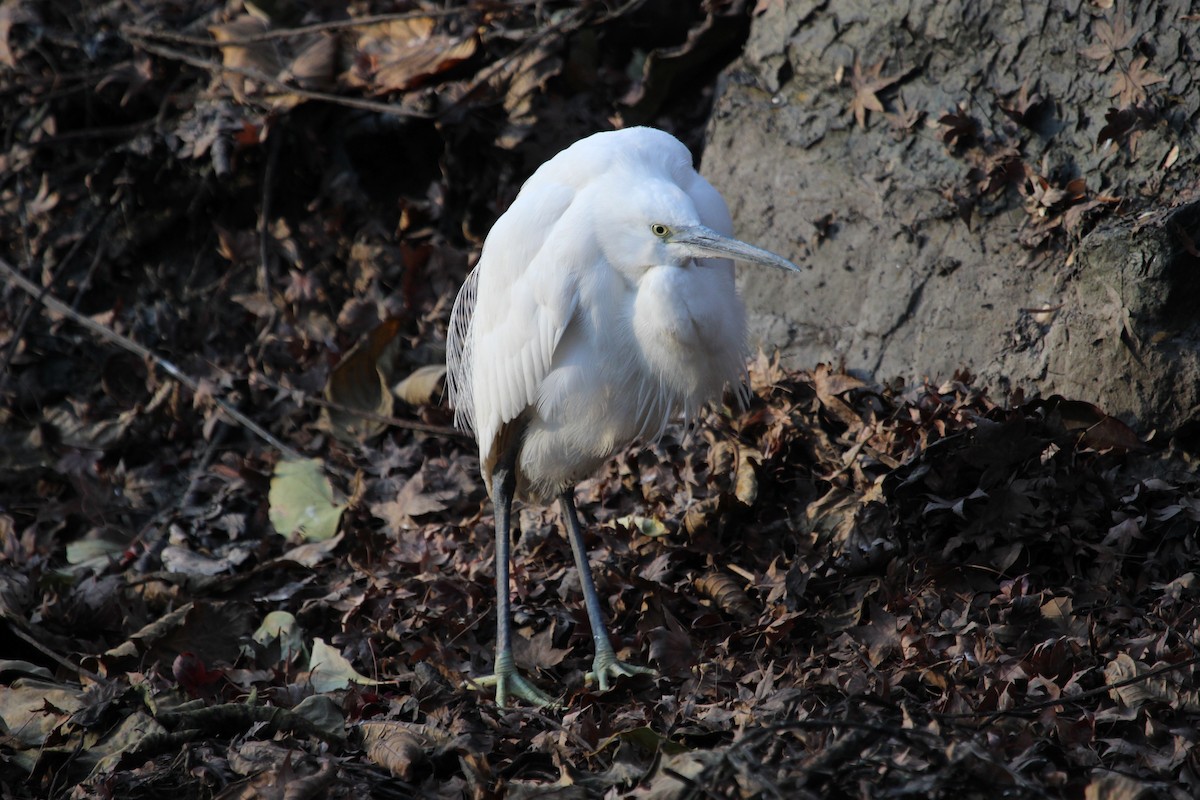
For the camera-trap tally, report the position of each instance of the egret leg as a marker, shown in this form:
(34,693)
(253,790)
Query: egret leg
(605,666)
(506,679)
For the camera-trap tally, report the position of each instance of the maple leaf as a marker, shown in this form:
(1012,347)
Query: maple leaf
(1025,108)
(866,85)
(1005,167)
(1118,123)
(904,119)
(1112,38)
(538,651)
(1131,84)
(961,128)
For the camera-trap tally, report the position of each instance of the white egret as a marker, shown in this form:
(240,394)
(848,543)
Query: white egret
(603,306)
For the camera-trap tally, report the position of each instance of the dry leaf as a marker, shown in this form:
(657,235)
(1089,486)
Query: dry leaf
(393,746)
(422,386)
(865,86)
(359,383)
(728,594)
(399,55)
(1111,786)
(260,57)
(1113,38)
(1130,85)
(329,670)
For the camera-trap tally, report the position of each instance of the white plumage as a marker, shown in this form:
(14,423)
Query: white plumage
(601,309)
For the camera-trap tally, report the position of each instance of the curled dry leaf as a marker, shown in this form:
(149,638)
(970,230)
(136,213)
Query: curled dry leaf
(728,594)
(1123,668)
(422,386)
(359,384)
(393,746)
(1110,786)
(746,487)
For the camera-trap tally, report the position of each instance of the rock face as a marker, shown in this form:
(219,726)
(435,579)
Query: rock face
(998,186)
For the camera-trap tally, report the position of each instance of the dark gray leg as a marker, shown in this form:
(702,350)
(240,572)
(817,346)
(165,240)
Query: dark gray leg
(605,665)
(506,679)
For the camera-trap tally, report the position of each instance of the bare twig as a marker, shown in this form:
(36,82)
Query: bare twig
(63,662)
(264,224)
(278,85)
(52,302)
(27,311)
(1025,708)
(317,27)
(396,422)
(560,28)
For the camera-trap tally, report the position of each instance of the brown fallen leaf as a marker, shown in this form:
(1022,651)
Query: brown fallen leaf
(13,13)
(881,635)
(402,54)
(1113,38)
(866,85)
(1110,786)
(393,746)
(261,57)
(728,594)
(960,129)
(422,385)
(314,66)
(537,651)
(358,383)
(1131,84)
(1096,430)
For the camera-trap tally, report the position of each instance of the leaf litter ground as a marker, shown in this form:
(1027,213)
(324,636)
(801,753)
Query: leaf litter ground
(848,590)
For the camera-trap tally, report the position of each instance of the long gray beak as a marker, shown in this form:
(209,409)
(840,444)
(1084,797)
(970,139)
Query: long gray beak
(702,242)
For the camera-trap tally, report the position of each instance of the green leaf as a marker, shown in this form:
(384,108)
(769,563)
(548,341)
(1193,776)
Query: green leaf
(301,500)
(97,548)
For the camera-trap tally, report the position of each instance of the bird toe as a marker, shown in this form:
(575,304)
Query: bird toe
(605,671)
(513,684)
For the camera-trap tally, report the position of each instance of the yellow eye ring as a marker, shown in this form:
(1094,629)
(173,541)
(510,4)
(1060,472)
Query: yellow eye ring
(660,230)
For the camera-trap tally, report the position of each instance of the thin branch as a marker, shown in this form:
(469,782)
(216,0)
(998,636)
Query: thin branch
(316,27)
(63,662)
(264,217)
(1025,708)
(53,303)
(280,86)
(395,422)
(27,312)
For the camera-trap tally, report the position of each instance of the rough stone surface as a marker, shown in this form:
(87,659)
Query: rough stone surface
(1090,297)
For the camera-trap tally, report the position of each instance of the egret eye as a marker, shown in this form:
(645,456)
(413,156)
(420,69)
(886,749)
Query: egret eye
(660,230)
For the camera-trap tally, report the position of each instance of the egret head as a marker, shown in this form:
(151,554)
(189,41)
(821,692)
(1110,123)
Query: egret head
(653,222)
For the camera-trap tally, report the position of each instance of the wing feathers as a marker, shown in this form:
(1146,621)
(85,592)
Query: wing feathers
(458,354)
(510,316)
